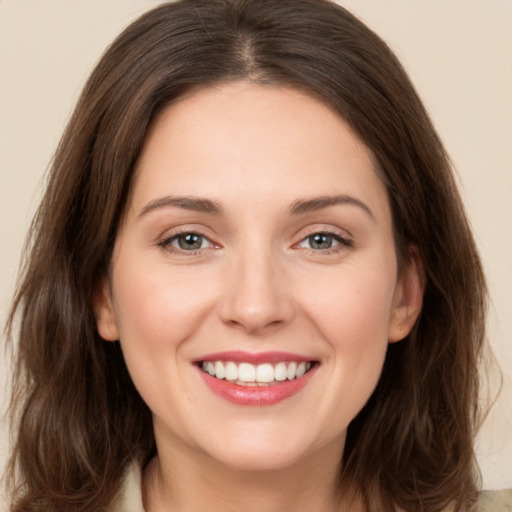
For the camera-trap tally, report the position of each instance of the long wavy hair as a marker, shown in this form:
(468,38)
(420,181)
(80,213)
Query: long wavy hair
(77,418)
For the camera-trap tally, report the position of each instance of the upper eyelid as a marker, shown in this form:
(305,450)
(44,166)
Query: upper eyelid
(326,229)
(165,240)
(343,236)
(173,239)
(332,234)
(299,236)
(177,234)
(342,241)
(189,229)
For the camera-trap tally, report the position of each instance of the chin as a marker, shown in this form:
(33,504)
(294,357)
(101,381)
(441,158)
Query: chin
(250,461)
(269,452)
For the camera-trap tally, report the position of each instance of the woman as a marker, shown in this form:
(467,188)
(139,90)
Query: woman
(237,295)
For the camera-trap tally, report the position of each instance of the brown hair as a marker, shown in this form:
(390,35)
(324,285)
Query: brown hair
(78,417)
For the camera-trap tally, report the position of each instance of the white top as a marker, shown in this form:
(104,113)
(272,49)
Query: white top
(130,497)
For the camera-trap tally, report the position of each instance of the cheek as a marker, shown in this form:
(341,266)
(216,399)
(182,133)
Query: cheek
(158,305)
(358,337)
(353,319)
(352,305)
(156,312)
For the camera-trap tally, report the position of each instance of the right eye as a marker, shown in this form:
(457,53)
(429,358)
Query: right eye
(325,242)
(186,242)
(321,241)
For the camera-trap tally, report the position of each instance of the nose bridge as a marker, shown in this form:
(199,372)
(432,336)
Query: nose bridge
(257,297)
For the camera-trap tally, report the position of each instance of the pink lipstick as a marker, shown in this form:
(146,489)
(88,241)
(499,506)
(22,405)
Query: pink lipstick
(246,378)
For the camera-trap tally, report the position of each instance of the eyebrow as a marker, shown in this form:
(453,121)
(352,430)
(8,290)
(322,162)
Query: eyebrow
(196,204)
(298,207)
(319,203)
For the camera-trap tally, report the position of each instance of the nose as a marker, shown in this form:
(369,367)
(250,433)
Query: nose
(257,297)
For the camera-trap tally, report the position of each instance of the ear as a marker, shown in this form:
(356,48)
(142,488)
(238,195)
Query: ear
(104,311)
(408,297)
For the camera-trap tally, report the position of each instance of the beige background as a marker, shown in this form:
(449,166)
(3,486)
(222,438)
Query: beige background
(458,53)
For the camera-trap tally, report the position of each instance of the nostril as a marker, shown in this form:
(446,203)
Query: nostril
(256,319)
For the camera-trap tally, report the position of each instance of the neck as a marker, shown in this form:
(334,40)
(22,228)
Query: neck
(181,483)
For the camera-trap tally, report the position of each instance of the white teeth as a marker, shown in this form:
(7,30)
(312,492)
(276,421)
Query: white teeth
(246,372)
(220,372)
(253,375)
(231,371)
(291,371)
(265,373)
(280,371)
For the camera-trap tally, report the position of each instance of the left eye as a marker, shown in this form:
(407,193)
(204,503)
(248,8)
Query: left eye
(188,242)
(321,241)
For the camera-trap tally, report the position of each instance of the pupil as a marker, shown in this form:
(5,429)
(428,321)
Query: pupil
(321,241)
(190,241)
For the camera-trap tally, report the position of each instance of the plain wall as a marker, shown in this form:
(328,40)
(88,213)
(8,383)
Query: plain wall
(458,53)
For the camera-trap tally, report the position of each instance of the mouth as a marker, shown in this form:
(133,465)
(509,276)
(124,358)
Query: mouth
(248,374)
(256,379)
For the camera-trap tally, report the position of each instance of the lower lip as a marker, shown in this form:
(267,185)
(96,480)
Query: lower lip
(256,395)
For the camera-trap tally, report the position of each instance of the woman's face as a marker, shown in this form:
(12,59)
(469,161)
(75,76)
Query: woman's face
(257,244)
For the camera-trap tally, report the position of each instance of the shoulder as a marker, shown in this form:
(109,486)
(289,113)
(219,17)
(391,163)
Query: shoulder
(494,501)
(130,495)
(491,501)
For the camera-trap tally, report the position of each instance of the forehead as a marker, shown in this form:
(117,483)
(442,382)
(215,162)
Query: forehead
(233,140)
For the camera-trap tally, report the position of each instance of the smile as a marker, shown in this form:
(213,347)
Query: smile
(247,374)
(263,379)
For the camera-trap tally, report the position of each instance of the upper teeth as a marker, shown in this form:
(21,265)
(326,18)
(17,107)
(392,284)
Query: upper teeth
(246,373)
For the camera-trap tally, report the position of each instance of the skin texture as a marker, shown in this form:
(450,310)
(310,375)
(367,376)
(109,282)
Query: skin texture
(256,284)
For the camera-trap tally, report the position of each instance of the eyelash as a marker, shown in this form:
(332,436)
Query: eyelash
(343,243)
(167,241)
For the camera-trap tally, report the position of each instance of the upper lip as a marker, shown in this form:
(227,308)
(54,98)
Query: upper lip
(239,356)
